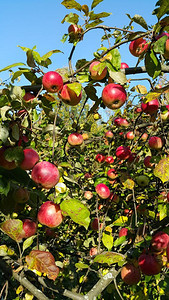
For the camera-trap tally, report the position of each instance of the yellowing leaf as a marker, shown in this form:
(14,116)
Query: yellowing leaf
(120,221)
(107,240)
(141,89)
(43,262)
(152,96)
(109,258)
(14,229)
(162,170)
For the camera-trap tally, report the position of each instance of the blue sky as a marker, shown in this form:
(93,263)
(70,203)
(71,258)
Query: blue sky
(38,22)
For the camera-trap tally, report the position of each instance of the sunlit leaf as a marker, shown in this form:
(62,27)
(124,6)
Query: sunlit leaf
(4,133)
(162,170)
(28,242)
(162,9)
(69,4)
(77,211)
(109,258)
(71,18)
(81,266)
(94,16)
(14,229)
(12,66)
(76,87)
(120,221)
(118,77)
(43,262)
(141,89)
(139,20)
(119,241)
(95,3)
(107,240)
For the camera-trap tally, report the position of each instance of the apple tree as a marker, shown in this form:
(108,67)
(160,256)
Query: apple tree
(84,202)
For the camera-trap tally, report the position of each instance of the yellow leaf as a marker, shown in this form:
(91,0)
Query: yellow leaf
(19,289)
(28,296)
(120,221)
(141,89)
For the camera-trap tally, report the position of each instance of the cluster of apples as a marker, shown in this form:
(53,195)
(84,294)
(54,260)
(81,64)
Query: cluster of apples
(150,261)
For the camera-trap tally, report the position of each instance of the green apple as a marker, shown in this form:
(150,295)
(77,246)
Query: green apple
(142,180)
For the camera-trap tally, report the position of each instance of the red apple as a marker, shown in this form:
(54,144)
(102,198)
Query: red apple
(147,161)
(102,190)
(166,52)
(138,46)
(109,159)
(149,264)
(138,110)
(52,82)
(75,139)
(109,134)
(29,227)
(93,251)
(74,29)
(130,274)
(121,122)
(124,65)
(167,197)
(88,195)
(155,142)
(100,158)
(144,136)
(95,224)
(29,97)
(95,71)
(133,157)
(50,214)
(46,174)
(160,241)
(112,174)
(114,95)
(21,195)
(123,152)
(130,135)
(69,96)
(123,232)
(31,157)
(8,165)
(150,107)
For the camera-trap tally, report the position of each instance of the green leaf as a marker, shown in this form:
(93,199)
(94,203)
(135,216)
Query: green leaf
(152,64)
(3,100)
(162,209)
(81,266)
(107,240)
(114,58)
(13,228)
(159,46)
(139,20)
(4,185)
(109,258)
(119,241)
(30,59)
(95,3)
(71,18)
(77,211)
(4,133)
(162,9)
(14,154)
(162,170)
(76,87)
(118,77)
(12,66)
(65,165)
(49,54)
(69,4)
(94,16)
(19,73)
(28,242)
(93,24)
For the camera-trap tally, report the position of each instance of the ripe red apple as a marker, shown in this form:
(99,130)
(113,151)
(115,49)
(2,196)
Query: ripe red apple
(130,274)
(88,195)
(144,136)
(138,110)
(21,195)
(100,158)
(31,157)
(124,65)
(130,135)
(149,264)
(138,46)
(109,134)
(123,232)
(93,251)
(95,71)
(74,29)
(162,34)
(121,122)
(112,174)
(160,241)
(102,190)
(155,142)
(52,82)
(29,227)
(109,159)
(75,139)
(147,162)
(114,95)
(29,97)
(8,165)
(123,152)
(69,96)
(50,214)
(46,174)
(150,107)
(95,224)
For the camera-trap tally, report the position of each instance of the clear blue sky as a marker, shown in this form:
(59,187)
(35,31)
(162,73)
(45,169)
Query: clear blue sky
(38,22)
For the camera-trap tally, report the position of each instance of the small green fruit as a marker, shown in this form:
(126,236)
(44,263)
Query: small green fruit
(142,180)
